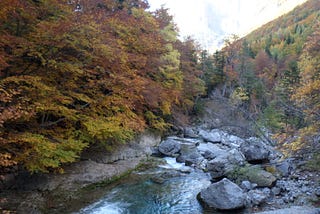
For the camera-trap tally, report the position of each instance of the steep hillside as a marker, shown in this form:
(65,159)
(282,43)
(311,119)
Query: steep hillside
(273,75)
(212,21)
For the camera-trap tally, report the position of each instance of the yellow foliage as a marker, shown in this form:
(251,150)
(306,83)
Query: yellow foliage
(166,108)
(156,122)
(109,129)
(239,96)
(41,153)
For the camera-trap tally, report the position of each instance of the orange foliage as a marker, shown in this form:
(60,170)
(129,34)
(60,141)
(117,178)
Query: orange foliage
(69,79)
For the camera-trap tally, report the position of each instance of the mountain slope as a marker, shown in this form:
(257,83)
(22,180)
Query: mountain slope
(211,21)
(273,75)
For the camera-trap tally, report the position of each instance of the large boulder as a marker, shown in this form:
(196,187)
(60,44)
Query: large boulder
(254,174)
(213,136)
(223,195)
(189,154)
(255,150)
(225,162)
(211,151)
(232,141)
(262,178)
(170,147)
(190,158)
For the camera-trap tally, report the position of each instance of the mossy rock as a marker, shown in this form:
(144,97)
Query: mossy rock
(254,174)
(314,163)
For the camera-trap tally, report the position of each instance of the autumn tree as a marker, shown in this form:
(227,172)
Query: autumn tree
(193,86)
(307,95)
(73,78)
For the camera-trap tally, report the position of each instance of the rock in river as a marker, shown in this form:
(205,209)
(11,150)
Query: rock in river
(170,147)
(223,195)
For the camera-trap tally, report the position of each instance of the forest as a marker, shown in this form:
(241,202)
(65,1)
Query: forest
(73,76)
(97,74)
(272,76)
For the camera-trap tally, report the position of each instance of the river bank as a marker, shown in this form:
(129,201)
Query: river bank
(221,144)
(38,193)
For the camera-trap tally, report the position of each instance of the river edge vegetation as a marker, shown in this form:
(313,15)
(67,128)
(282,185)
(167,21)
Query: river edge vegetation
(73,76)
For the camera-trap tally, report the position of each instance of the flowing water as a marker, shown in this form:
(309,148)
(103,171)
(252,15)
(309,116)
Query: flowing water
(175,192)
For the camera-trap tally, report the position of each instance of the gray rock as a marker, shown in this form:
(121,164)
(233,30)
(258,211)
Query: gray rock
(254,174)
(294,210)
(188,132)
(232,141)
(276,190)
(305,189)
(189,154)
(170,147)
(223,195)
(224,163)
(262,178)
(254,150)
(285,167)
(95,166)
(266,191)
(256,197)
(246,185)
(213,136)
(282,185)
(211,150)
(190,158)
(209,155)
(142,145)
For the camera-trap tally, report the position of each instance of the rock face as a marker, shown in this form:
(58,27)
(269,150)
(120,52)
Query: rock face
(255,150)
(140,147)
(94,167)
(170,147)
(223,195)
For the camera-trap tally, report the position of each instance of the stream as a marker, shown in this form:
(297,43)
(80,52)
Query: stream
(169,188)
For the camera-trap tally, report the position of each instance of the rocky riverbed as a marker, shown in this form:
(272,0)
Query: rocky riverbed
(245,172)
(240,172)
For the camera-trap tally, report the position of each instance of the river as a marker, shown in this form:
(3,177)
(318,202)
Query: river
(168,188)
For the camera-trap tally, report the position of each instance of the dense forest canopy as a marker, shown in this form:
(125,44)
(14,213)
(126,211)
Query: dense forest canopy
(95,73)
(272,76)
(77,74)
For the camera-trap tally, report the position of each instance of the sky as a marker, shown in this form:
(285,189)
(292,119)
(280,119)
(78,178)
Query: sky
(211,21)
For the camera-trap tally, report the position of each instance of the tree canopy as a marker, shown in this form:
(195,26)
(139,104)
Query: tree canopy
(272,75)
(99,74)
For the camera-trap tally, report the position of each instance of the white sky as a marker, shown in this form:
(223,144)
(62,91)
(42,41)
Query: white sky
(209,21)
